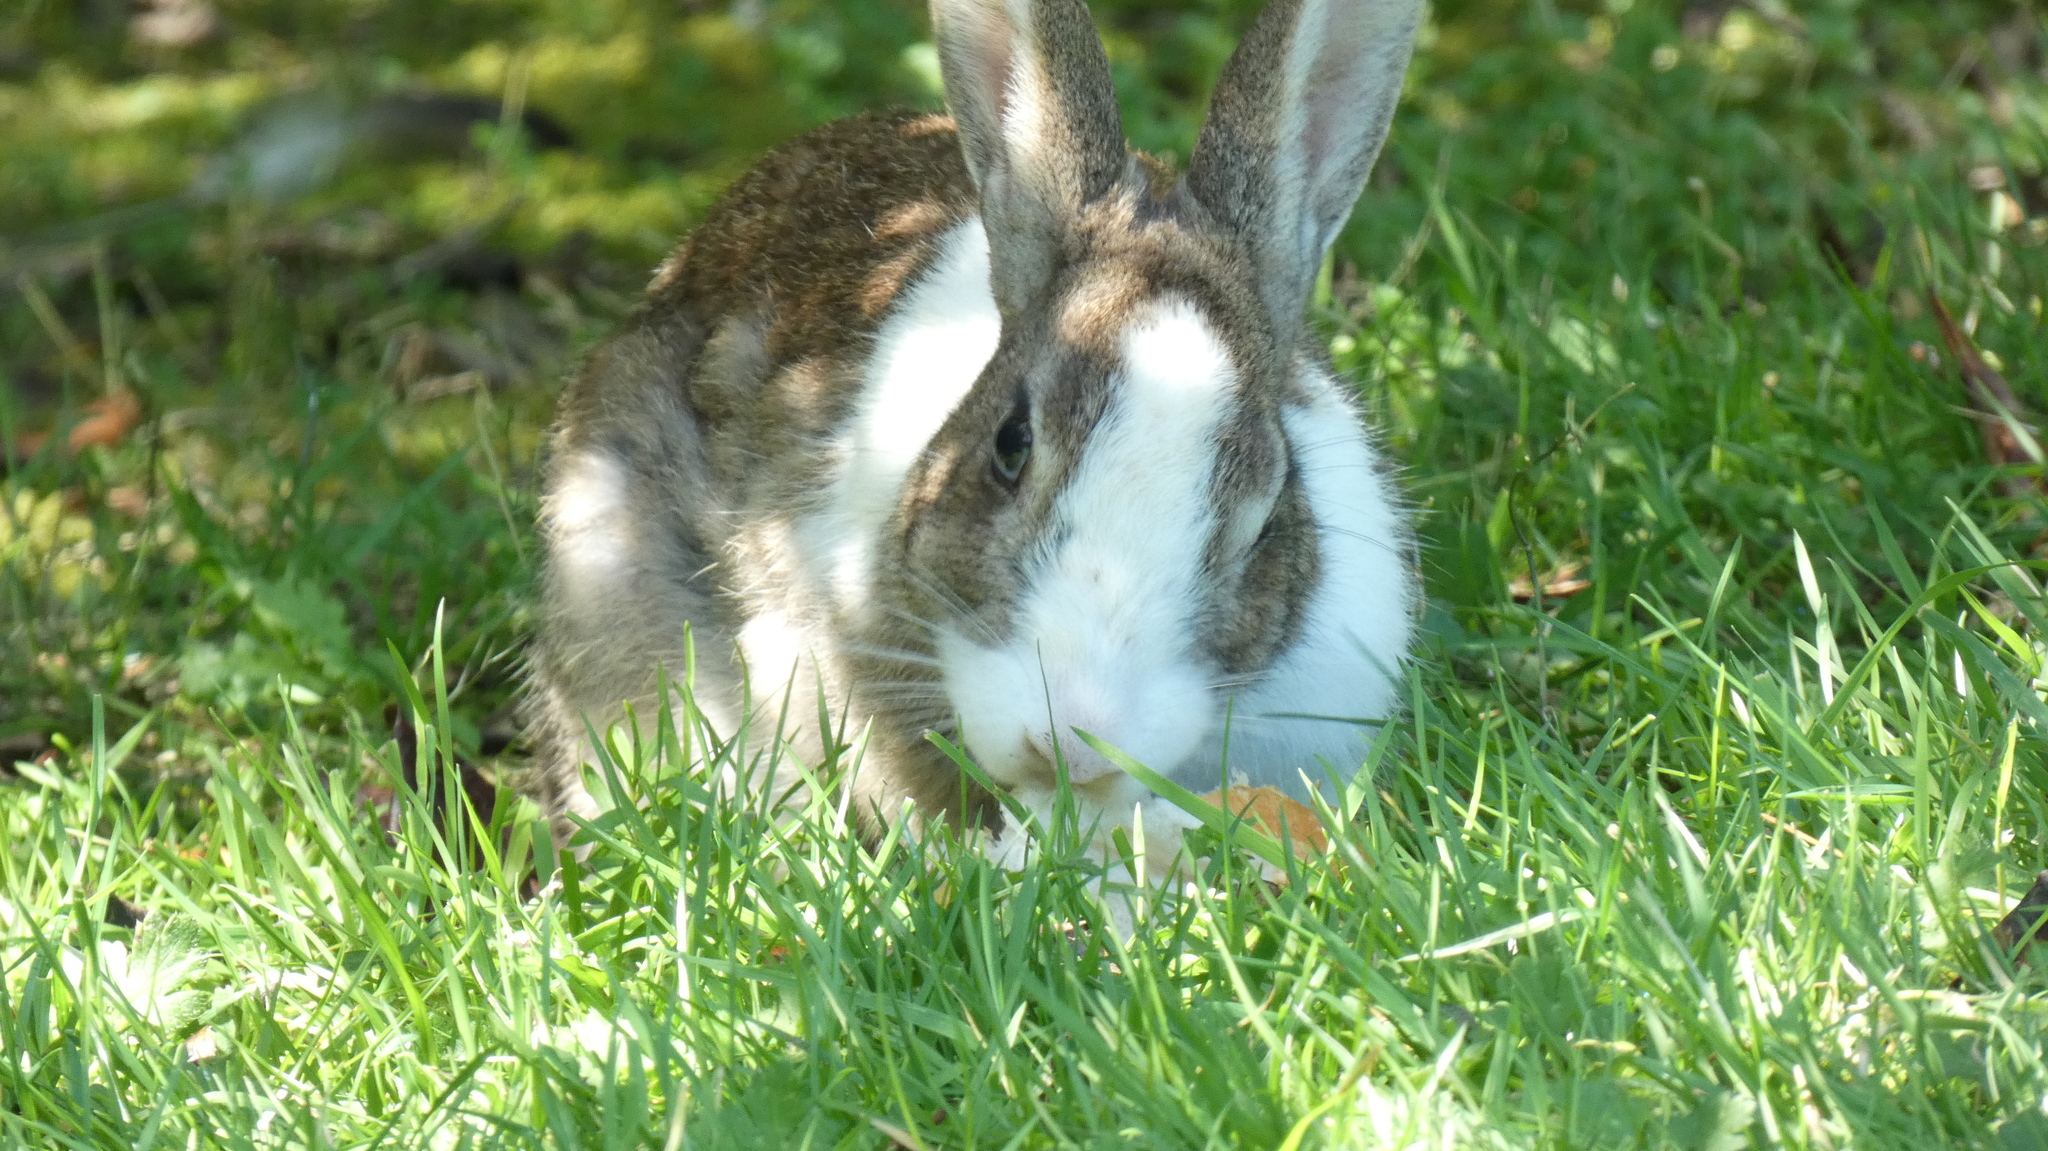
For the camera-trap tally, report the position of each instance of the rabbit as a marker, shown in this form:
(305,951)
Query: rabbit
(992,427)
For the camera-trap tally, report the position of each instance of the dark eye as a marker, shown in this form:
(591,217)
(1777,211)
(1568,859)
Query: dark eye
(1013,446)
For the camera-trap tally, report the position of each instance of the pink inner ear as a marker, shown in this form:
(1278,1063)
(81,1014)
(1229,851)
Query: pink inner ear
(977,45)
(1333,98)
(994,59)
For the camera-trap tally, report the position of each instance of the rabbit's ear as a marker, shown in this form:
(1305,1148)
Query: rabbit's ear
(1029,84)
(1297,119)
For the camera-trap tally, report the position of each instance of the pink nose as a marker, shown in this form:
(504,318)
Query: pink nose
(1084,763)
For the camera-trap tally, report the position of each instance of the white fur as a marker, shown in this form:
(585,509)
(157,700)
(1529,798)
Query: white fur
(1102,640)
(926,358)
(588,513)
(777,653)
(594,545)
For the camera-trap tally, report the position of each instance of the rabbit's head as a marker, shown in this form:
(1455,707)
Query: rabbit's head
(1115,531)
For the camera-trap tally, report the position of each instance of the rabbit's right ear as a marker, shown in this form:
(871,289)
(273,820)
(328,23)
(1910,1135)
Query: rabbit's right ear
(1029,84)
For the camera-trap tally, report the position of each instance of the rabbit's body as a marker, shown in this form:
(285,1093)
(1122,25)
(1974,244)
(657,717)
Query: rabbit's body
(1001,437)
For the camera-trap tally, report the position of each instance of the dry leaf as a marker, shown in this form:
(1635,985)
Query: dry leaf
(27,444)
(202,1045)
(1563,582)
(1268,809)
(107,422)
(174,23)
(896,1135)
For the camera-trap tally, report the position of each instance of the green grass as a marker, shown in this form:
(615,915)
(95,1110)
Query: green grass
(1704,855)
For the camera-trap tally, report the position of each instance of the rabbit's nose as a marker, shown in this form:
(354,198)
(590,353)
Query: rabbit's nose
(1101,790)
(1084,763)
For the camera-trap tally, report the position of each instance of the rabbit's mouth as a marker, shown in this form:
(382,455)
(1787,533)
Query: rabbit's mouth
(1092,778)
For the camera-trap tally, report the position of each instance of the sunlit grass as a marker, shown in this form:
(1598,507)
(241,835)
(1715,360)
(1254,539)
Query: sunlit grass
(1761,909)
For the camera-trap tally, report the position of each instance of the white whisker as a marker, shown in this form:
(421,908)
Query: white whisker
(951,601)
(894,654)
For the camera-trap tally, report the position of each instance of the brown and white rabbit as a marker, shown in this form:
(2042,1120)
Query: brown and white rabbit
(987,425)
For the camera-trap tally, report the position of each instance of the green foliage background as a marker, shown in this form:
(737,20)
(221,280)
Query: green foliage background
(1711,173)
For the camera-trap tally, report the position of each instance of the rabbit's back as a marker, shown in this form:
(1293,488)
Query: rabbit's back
(794,269)
(721,405)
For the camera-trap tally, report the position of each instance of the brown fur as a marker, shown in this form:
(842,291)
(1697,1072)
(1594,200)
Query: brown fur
(746,352)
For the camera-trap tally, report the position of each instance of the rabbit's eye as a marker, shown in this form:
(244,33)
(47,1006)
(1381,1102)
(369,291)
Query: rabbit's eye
(1013,446)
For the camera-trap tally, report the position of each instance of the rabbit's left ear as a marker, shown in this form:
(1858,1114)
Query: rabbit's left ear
(1297,119)
(1029,84)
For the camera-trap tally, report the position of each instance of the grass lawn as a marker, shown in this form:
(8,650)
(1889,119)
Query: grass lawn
(1726,747)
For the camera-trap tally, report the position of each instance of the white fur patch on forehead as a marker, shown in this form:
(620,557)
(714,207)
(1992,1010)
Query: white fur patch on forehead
(1142,490)
(1173,355)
